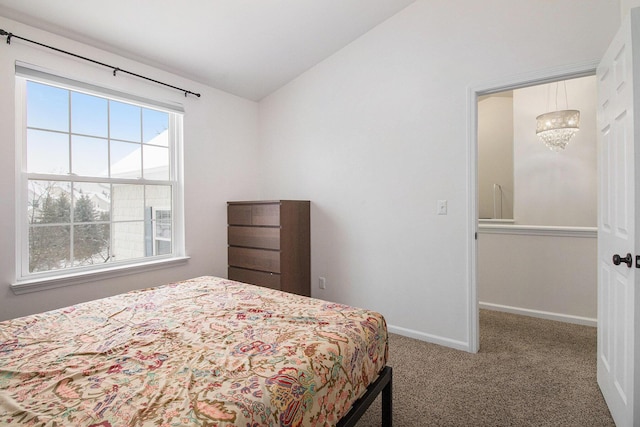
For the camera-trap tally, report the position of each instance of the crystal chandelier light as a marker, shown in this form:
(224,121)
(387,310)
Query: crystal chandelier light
(556,128)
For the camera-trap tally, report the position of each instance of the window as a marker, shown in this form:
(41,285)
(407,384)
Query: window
(99,176)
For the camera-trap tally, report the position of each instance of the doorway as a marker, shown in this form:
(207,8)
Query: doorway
(522,258)
(476,95)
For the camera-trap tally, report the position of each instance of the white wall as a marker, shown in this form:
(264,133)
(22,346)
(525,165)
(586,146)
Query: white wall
(555,188)
(220,159)
(374,136)
(495,157)
(541,187)
(552,276)
(377,133)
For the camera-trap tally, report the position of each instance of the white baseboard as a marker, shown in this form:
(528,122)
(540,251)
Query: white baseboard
(434,339)
(567,318)
(464,346)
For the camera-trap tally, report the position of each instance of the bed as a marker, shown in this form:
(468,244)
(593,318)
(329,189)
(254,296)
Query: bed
(201,352)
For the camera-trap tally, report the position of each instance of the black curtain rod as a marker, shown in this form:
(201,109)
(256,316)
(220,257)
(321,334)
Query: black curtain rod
(115,69)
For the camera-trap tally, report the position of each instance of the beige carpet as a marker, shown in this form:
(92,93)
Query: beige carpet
(529,372)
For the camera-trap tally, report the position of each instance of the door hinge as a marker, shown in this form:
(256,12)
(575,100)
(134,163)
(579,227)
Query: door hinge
(477,238)
(637,261)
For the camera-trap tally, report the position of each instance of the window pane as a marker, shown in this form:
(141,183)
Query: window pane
(128,202)
(97,195)
(163,247)
(158,207)
(128,240)
(126,160)
(125,121)
(155,127)
(163,225)
(49,247)
(47,152)
(158,197)
(74,140)
(90,156)
(47,107)
(49,202)
(89,115)
(156,162)
(90,244)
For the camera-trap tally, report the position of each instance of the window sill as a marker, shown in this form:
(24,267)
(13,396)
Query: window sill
(44,283)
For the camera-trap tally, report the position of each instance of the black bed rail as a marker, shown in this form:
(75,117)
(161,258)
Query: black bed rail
(384,383)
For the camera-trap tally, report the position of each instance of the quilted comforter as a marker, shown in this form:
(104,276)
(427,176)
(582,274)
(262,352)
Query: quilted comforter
(202,352)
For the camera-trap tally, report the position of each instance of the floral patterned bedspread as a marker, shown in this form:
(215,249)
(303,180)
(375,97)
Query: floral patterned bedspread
(202,352)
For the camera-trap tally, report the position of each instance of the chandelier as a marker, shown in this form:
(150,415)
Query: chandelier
(556,128)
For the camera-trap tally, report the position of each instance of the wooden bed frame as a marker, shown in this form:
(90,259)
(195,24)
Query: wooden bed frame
(383,384)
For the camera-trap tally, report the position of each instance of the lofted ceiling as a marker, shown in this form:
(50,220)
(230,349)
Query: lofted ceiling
(246,47)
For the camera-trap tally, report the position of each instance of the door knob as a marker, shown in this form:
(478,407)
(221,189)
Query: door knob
(617,259)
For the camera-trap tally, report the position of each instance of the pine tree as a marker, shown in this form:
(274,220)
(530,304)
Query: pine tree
(49,236)
(63,208)
(50,245)
(84,211)
(89,240)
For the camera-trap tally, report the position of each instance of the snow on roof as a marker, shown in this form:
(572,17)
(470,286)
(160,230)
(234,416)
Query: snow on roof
(156,160)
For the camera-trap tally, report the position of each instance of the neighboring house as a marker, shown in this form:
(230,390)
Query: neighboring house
(152,235)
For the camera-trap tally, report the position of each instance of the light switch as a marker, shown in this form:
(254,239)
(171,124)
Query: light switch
(442,207)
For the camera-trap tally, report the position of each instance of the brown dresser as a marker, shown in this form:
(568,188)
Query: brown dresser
(270,245)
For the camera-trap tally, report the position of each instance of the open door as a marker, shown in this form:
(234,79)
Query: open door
(619,224)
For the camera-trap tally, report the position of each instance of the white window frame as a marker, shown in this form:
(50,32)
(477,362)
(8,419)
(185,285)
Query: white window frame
(29,282)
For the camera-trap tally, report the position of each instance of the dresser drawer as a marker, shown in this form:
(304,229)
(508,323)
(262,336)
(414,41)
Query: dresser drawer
(239,214)
(260,278)
(254,237)
(265,214)
(257,214)
(254,259)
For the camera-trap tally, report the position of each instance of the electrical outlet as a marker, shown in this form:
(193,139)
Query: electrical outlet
(322,283)
(442,207)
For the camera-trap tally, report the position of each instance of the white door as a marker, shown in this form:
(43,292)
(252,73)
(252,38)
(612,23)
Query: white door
(618,224)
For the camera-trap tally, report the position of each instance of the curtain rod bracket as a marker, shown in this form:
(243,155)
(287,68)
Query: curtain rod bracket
(6,33)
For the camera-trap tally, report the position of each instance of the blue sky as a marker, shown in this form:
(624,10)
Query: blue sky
(89,119)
